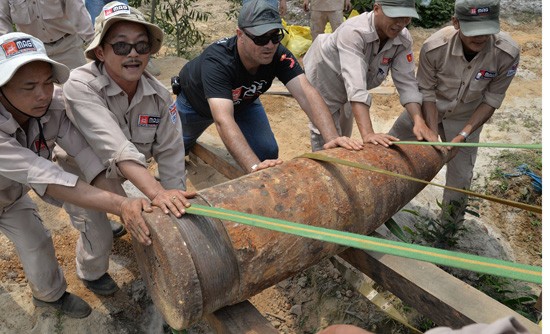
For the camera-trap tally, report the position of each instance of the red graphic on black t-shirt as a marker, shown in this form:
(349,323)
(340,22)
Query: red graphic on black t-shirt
(284,57)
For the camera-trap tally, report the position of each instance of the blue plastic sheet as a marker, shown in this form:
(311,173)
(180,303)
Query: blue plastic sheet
(536,180)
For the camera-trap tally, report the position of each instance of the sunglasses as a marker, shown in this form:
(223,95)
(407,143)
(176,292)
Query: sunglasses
(264,39)
(124,49)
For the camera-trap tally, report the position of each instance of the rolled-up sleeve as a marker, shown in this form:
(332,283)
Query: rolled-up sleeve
(23,166)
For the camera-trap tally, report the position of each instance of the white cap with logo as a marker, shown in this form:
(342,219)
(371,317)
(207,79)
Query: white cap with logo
(18,49)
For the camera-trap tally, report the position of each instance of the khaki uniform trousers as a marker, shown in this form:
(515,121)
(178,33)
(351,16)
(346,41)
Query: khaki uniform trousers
(460,169)
(22,225)
(318,20)
(68,50)
(94,245)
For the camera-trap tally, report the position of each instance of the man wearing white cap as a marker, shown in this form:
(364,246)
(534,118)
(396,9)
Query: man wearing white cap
(32,122)
(64,26)
(127,116)
(464,72)
(357,57)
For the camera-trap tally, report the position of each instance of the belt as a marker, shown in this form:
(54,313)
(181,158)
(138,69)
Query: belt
(62,37)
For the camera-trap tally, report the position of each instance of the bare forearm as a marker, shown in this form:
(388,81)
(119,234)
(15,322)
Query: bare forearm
(236,144)
(415,112)
(361,113)
(429,110)
(141,178)
(86,196)
(314,106)
(479,117)
(321,117)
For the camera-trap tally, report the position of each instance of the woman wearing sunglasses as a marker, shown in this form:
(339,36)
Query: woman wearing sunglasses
(222,86)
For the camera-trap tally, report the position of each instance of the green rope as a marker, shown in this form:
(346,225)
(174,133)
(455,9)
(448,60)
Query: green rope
(494,145)
(438,256)
(320,157)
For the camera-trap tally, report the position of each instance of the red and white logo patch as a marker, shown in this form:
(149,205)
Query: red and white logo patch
(148,121)
(18,46)
(116,10)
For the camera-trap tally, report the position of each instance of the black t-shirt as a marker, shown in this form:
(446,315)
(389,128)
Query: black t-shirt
(219,73)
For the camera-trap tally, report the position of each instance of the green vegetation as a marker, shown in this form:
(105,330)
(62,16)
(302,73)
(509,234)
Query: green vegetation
(177,19)
(517,297)
(443,231)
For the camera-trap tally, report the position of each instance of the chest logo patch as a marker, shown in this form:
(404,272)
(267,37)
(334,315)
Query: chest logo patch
(485,75)
(386,61)
(148,121)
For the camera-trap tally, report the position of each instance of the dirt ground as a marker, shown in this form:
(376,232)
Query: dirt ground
(318,296)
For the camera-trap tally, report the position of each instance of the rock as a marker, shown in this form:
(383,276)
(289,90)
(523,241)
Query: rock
(296,310)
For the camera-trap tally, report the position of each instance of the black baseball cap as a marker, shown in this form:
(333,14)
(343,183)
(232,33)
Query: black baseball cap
(258,17)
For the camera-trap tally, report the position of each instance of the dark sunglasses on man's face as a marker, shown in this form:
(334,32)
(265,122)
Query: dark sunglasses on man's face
(124,49)
(262,40)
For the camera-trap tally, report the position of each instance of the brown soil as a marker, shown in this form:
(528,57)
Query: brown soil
(318,296)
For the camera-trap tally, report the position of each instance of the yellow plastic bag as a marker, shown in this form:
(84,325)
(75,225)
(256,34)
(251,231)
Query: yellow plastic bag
(328,28)
(298,39)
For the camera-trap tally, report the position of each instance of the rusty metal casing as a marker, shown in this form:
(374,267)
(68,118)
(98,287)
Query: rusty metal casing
(197,265)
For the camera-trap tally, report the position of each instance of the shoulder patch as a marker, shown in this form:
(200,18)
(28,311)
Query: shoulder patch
(512,70)
(173,111)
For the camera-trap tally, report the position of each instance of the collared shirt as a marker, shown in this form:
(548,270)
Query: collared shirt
(47,20)
(118,130)
(21,168)
(351,63)
(457,86)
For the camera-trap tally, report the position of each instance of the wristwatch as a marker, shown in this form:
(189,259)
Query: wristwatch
(464,134)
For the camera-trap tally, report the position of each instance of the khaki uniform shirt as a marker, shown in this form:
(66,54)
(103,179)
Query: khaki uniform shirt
(327,5)
(348,64)
(118,130)
(457,86)
(20,166)
(47,20)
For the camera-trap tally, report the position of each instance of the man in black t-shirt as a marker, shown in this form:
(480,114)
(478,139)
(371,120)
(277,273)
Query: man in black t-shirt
(223,84)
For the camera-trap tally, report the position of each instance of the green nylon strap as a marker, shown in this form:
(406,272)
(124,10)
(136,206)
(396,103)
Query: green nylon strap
(494,145)
(523,206)
(438,256)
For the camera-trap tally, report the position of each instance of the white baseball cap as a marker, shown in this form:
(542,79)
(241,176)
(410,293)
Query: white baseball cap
(18,49)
